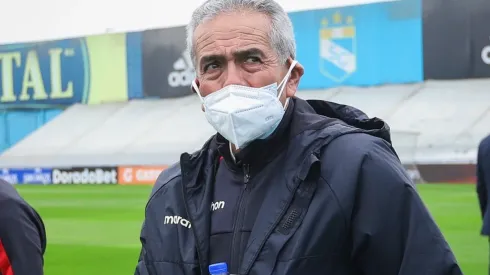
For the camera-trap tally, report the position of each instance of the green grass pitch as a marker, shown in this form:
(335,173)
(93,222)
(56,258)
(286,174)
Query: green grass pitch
(95,229)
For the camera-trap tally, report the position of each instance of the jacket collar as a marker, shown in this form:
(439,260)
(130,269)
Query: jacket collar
(304,128)
(261,151)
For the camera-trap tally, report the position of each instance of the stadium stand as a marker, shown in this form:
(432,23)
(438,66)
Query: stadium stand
(446,119)
(432,122)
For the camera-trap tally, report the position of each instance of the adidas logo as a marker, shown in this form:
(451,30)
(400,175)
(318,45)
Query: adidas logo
(183,73)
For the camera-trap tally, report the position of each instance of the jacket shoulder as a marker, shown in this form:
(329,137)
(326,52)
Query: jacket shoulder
(10,198)
(349,152)
(167,179)
(484,145)
(8,192)
(356,145)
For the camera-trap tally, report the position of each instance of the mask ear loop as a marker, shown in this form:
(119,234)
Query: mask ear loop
(194,85)
(286,78)
(284,81)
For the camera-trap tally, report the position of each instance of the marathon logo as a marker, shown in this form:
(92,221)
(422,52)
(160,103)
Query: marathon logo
(99,175)
(177,220)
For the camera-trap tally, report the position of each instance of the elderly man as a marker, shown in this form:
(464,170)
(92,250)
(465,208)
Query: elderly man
(22,235)
(286,186)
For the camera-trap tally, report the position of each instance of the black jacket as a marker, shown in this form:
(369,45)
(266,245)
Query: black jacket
(483,183)
(340,203)
(22,235)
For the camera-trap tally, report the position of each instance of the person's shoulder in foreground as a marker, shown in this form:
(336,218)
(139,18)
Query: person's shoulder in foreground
(22,235)
(483,182)
(484,145)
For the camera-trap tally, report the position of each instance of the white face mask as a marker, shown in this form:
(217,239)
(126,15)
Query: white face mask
(242,114)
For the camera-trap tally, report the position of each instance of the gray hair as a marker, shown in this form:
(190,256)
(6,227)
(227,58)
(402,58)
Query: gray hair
(281,33)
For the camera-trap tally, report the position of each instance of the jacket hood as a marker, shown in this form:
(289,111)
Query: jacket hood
(353,117)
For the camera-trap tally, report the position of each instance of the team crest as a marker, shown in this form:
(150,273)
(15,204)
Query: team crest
(338,47)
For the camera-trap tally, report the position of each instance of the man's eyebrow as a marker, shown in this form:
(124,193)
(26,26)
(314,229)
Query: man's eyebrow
(246,52)
(242,53)
(209,58)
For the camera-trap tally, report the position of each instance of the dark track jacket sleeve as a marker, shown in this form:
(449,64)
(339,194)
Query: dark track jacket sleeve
(481,188)
(392,231)
(22,237)
(141,268)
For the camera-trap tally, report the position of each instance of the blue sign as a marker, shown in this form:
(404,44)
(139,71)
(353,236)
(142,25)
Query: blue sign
(26,176)
(362,45)
(54,72)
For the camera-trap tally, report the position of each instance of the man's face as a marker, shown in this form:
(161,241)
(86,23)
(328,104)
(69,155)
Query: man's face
(234,48)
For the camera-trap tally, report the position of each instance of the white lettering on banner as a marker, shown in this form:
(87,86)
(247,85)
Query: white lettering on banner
(41,177)
(217,205)
(96,176)
(12,179)
(147,175)
(128,175)
(177,220)
(485,54)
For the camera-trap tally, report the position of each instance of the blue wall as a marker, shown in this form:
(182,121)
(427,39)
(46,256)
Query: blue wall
(17,124)
(362,45)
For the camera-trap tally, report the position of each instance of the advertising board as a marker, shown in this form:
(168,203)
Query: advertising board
(363,45)
(26,175)
(85,175)
(139,175)
(456,39)
(448,173)
(92,69)
(480,41)
(167,68)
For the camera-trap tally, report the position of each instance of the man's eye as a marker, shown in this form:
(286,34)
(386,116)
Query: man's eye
(252,59)
(210,66)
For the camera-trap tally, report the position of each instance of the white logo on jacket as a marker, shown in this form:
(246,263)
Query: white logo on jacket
(177,220)
(217,205)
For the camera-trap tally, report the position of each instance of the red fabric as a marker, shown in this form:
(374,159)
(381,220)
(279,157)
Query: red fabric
(5,267)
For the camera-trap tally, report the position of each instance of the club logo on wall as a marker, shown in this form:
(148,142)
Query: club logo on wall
(167,67)
(338,57)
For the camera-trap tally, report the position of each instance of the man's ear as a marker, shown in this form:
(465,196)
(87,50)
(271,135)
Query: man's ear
(293,82)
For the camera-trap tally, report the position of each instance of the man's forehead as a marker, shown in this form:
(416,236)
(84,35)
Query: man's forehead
(229,27)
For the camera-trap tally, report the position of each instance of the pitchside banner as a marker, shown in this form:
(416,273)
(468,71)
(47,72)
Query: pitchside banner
(139,175)
(167,67)
(26,176)
(362,45)
(85,175)
(456,39)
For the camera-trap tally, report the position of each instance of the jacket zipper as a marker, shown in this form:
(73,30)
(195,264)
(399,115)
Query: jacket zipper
(235,243)
(193,229)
